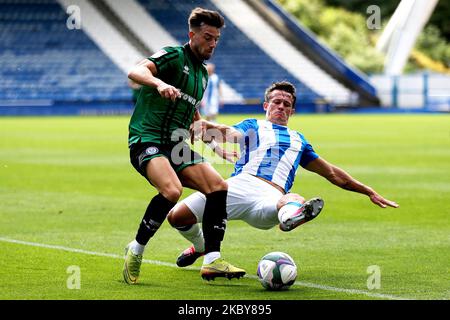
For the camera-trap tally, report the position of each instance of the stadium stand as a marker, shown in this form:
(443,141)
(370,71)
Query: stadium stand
(139,22)
(41,60)
(318,53)
(237,55)
(106,32)
(282,51)
(44,63)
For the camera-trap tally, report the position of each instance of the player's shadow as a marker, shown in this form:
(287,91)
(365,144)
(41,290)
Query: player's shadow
(219,282)
(140,284)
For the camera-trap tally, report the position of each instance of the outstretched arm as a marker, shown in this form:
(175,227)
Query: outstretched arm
(207,131)
(229,155)
(210,133)
(342,179)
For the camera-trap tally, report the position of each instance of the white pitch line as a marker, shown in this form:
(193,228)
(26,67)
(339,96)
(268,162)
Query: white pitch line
(92,253)
(343,290)
(173,265)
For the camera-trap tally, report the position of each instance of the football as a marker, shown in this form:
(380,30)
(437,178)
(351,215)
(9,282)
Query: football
(277,271)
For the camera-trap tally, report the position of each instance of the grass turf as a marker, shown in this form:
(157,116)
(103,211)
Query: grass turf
(67,181)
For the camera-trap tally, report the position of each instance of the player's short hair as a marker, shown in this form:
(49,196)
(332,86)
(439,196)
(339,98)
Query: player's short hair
(200,16)
(283,86)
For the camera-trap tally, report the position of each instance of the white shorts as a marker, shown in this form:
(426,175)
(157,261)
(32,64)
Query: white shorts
(249,199)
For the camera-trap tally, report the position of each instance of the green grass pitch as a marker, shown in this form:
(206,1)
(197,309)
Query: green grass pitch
(69,197)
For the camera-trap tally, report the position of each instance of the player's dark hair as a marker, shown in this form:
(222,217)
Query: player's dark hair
(283,86)
(201,16)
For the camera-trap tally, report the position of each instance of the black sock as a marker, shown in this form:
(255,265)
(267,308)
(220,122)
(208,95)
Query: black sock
(214,220)
(154,216)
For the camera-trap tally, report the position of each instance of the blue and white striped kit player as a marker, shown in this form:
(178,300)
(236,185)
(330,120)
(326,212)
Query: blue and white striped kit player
(268,151)
(272,152)
(258,191)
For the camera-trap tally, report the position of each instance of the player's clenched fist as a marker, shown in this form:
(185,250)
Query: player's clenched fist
(168,91)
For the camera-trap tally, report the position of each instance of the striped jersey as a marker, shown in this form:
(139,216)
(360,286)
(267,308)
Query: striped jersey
(156,119)
(272,152)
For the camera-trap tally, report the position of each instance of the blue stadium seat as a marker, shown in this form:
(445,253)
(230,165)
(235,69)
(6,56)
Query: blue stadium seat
(41,59)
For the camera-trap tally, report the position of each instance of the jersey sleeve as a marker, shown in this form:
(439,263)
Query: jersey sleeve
(165,59)
(308,153)
(246,125)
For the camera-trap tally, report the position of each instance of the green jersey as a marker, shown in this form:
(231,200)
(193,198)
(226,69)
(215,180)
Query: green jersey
(155,118)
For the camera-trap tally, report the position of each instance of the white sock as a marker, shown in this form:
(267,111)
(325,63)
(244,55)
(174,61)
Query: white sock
(136,248)
(210,257)
(195,236)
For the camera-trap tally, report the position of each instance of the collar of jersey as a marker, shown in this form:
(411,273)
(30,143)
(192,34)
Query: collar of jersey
(191,54)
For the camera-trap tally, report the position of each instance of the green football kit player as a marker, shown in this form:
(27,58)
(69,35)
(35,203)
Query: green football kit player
(173,82)
(158,125)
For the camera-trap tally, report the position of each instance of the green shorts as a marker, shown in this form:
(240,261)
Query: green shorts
(180,155)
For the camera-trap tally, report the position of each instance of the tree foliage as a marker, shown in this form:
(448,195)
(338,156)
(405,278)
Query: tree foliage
(343,31)
(342,26)
(439,19)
